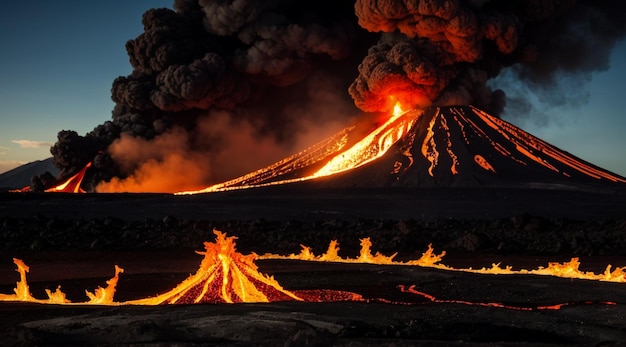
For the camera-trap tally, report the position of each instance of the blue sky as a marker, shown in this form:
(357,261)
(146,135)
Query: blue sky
(57,63)
(58,60)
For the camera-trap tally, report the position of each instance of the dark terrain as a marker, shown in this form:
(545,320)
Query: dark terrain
(74,240)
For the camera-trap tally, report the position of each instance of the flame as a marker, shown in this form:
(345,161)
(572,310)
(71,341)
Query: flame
(72,184)
(397,109)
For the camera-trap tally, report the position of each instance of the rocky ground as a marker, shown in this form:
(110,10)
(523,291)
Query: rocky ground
(75,240)
(514,221)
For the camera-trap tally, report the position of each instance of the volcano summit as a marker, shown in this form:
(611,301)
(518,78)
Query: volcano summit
(439,146)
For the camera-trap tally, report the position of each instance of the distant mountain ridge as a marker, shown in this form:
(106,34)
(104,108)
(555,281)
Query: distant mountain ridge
(20,176)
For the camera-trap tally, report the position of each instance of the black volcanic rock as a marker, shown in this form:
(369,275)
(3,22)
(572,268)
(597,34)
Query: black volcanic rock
(456,146)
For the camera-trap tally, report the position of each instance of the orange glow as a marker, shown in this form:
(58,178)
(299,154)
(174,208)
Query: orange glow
(411,289)
(72,185)
(101,296)
(372,146)
(224,276)
(528,145)
(430,259)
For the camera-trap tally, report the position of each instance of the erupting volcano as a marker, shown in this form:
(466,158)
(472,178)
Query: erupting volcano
(219,89)
(439,146)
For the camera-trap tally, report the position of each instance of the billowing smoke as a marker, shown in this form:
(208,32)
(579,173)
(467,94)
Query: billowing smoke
(444,52)
(220,88)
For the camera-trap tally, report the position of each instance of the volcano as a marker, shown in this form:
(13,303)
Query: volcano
(455,146)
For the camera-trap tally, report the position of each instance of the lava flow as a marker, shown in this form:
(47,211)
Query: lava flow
(343,157)
(437,146)
(429,258)
(226,276)
(72,184)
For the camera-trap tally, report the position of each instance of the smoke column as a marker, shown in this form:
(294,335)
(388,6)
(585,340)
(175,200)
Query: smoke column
(220,88)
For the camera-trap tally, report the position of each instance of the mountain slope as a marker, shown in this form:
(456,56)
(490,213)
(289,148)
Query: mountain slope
(464,146)
(440,146)
(21,175)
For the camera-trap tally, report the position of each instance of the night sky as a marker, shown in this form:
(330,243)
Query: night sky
(59,59)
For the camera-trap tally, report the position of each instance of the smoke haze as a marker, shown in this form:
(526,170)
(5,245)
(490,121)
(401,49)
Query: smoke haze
(220,88)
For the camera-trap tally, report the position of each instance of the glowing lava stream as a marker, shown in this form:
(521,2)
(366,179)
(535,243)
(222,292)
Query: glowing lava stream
(430,259)
(226,276)
(72,184)
(368,149)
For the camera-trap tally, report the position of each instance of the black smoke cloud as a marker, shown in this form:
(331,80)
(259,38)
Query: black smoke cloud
(442,52)
(219,88)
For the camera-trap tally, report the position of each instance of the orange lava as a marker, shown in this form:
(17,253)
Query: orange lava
(227,276)
(429,258)
(72,184)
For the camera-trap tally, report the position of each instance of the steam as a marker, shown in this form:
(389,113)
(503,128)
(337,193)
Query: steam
(220,88)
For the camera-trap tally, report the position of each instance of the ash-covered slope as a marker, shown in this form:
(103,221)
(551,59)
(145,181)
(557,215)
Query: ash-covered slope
(437,147)
(464,146)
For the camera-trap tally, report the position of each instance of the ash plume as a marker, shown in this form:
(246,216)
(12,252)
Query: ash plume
(443,52)
(220,88)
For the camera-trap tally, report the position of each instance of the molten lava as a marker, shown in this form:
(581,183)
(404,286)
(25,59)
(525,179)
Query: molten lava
(437,146)
(72,184)
(224,276)
(372,146)
(101,296)
(292,169)
(430,259)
